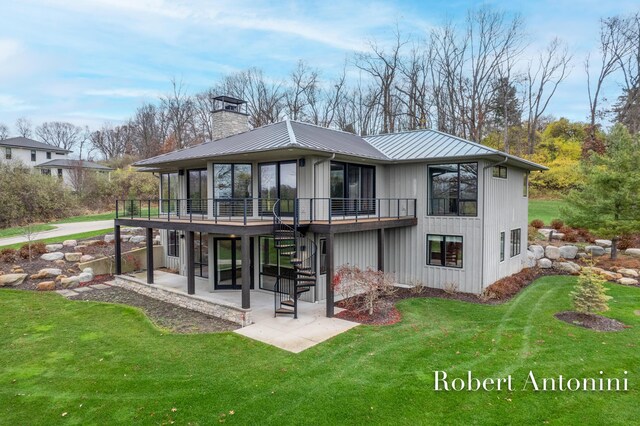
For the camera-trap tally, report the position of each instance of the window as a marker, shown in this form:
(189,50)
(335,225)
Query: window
(278,180)
(525,185)
(197,191)
(502,235)
(352,188)
(59,173)
(46,172)
(173,245)
(444,250)
(169,192)
(453,189)
(7,153)
(500,172)
(515,242)
(33,155)
(322,249)
(48,155)
(59,153)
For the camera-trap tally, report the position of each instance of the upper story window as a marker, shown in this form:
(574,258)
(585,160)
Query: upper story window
(7,153)
(453,189)
(500,172)
(33,155)
(48,155)
(169,192)
(352,188)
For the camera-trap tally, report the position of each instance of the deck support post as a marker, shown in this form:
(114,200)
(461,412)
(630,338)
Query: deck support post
(246,271)
(330,271)
(149,255)
(191,267)
(381,238)
(118,249)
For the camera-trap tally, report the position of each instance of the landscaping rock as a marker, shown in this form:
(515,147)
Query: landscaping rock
(72,257)
(530,261)
(46,286)
(17,271)
(53,247)
(607,250)
(87,258)
(56,255)
(545,232)
(594,250)
(545,263)
(603,243)
(85,277)
(70,243)
(558,236)
(607,275)
(569,267)
(46,273)
(109,238)
(88,271)
(70,282)
(552,252)
(630,273)
(131,230)
(11,280)
(581,255)
(568,252)
(537,250)
(81,247)
(627,281)
(91,242)
(632,252)
(60,277)
(137,239)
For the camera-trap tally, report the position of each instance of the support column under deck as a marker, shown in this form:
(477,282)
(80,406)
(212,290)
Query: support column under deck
(191,268)
(246,271)
(118,249)
(381,238)
(149,255)
(330,270)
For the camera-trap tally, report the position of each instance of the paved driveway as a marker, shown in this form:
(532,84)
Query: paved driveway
(62,230)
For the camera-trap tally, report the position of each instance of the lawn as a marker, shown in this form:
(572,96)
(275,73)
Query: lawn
(89,218)
(18,231)
(545,210)
(52,240)
(101,363)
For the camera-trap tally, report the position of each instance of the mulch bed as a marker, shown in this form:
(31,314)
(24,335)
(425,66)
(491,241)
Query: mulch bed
(590,321)
(384,314)
(163,314)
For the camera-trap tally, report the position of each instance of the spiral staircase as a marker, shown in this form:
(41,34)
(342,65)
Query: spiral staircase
(292,243)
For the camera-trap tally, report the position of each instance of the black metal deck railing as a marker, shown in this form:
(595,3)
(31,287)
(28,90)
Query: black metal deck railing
(245,210)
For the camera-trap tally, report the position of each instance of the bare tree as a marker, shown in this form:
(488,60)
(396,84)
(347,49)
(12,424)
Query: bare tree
(301,92)
(4,131)
(61,134)
(24,126)
(149,130)
(179,110)
(542,81)
(627,110)
(113,142)
(203,119)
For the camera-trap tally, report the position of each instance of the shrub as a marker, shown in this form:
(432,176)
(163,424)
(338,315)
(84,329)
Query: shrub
(589,294)
(571,236)
(36,250)
(557,224)
(537,223)
(509,286)
(362,290)
(626,241)
(8,255)
(585,235)
(532,233)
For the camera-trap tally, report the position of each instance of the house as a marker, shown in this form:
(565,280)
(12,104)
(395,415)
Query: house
(279,208)
(48,159)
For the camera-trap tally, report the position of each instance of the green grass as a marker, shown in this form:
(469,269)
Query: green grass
(52,240)
(89,218)
(107,364)
(545,210)
(18,231)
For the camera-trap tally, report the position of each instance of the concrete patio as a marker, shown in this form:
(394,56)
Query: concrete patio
(293,335)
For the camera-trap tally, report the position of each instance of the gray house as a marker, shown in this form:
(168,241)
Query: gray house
(280,207)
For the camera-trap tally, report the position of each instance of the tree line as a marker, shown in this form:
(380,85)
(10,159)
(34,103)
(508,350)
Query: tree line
(474,79)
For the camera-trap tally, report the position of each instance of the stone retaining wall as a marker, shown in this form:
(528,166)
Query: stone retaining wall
(195,303)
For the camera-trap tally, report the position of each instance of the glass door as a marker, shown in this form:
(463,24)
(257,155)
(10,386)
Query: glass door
(228,264)
(278,180)
(201,254)
(197,191)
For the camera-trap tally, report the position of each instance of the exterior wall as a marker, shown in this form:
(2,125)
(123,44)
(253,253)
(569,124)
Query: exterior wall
(506,209)
(227,123)
(24,155)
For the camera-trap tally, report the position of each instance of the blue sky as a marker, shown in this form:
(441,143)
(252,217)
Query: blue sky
(90,61)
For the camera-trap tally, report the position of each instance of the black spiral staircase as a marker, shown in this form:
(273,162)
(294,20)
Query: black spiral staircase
(289,241)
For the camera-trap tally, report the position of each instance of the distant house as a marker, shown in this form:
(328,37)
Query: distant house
(48,159)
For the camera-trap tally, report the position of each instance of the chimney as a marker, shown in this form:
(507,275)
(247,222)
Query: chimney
(229,117)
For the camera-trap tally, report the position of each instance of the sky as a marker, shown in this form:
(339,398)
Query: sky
(91,61)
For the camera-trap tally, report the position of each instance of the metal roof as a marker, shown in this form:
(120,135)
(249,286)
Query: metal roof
(284,134)
(430,144)
(20,142)
(68,163)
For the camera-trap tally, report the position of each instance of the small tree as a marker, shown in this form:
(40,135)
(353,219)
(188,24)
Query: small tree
(362,289)
(28,232)
(589,294)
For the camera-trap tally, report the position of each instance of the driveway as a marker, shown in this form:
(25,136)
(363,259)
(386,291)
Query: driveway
(61,230)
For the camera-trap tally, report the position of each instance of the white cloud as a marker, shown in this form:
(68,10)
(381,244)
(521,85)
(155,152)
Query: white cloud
(123,93)
(9,103)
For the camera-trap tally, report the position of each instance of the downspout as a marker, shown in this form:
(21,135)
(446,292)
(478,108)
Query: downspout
(484,211)
(315,163)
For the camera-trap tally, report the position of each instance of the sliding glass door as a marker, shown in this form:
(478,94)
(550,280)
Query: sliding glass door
(352,189)
(278,180)
(197,191)
(232,181)
(228,264)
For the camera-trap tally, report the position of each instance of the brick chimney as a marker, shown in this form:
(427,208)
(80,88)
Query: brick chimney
(229,117)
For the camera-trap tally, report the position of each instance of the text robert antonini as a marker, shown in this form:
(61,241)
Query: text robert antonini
(530,382)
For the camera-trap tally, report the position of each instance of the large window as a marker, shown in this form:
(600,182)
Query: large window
(169,192)
(352,188)
(7,153)
(33,155)
(197,190)
(444,250)
(232,181)
(278,180)
(502,242)
(173,243)
(453,189)
(515,242)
